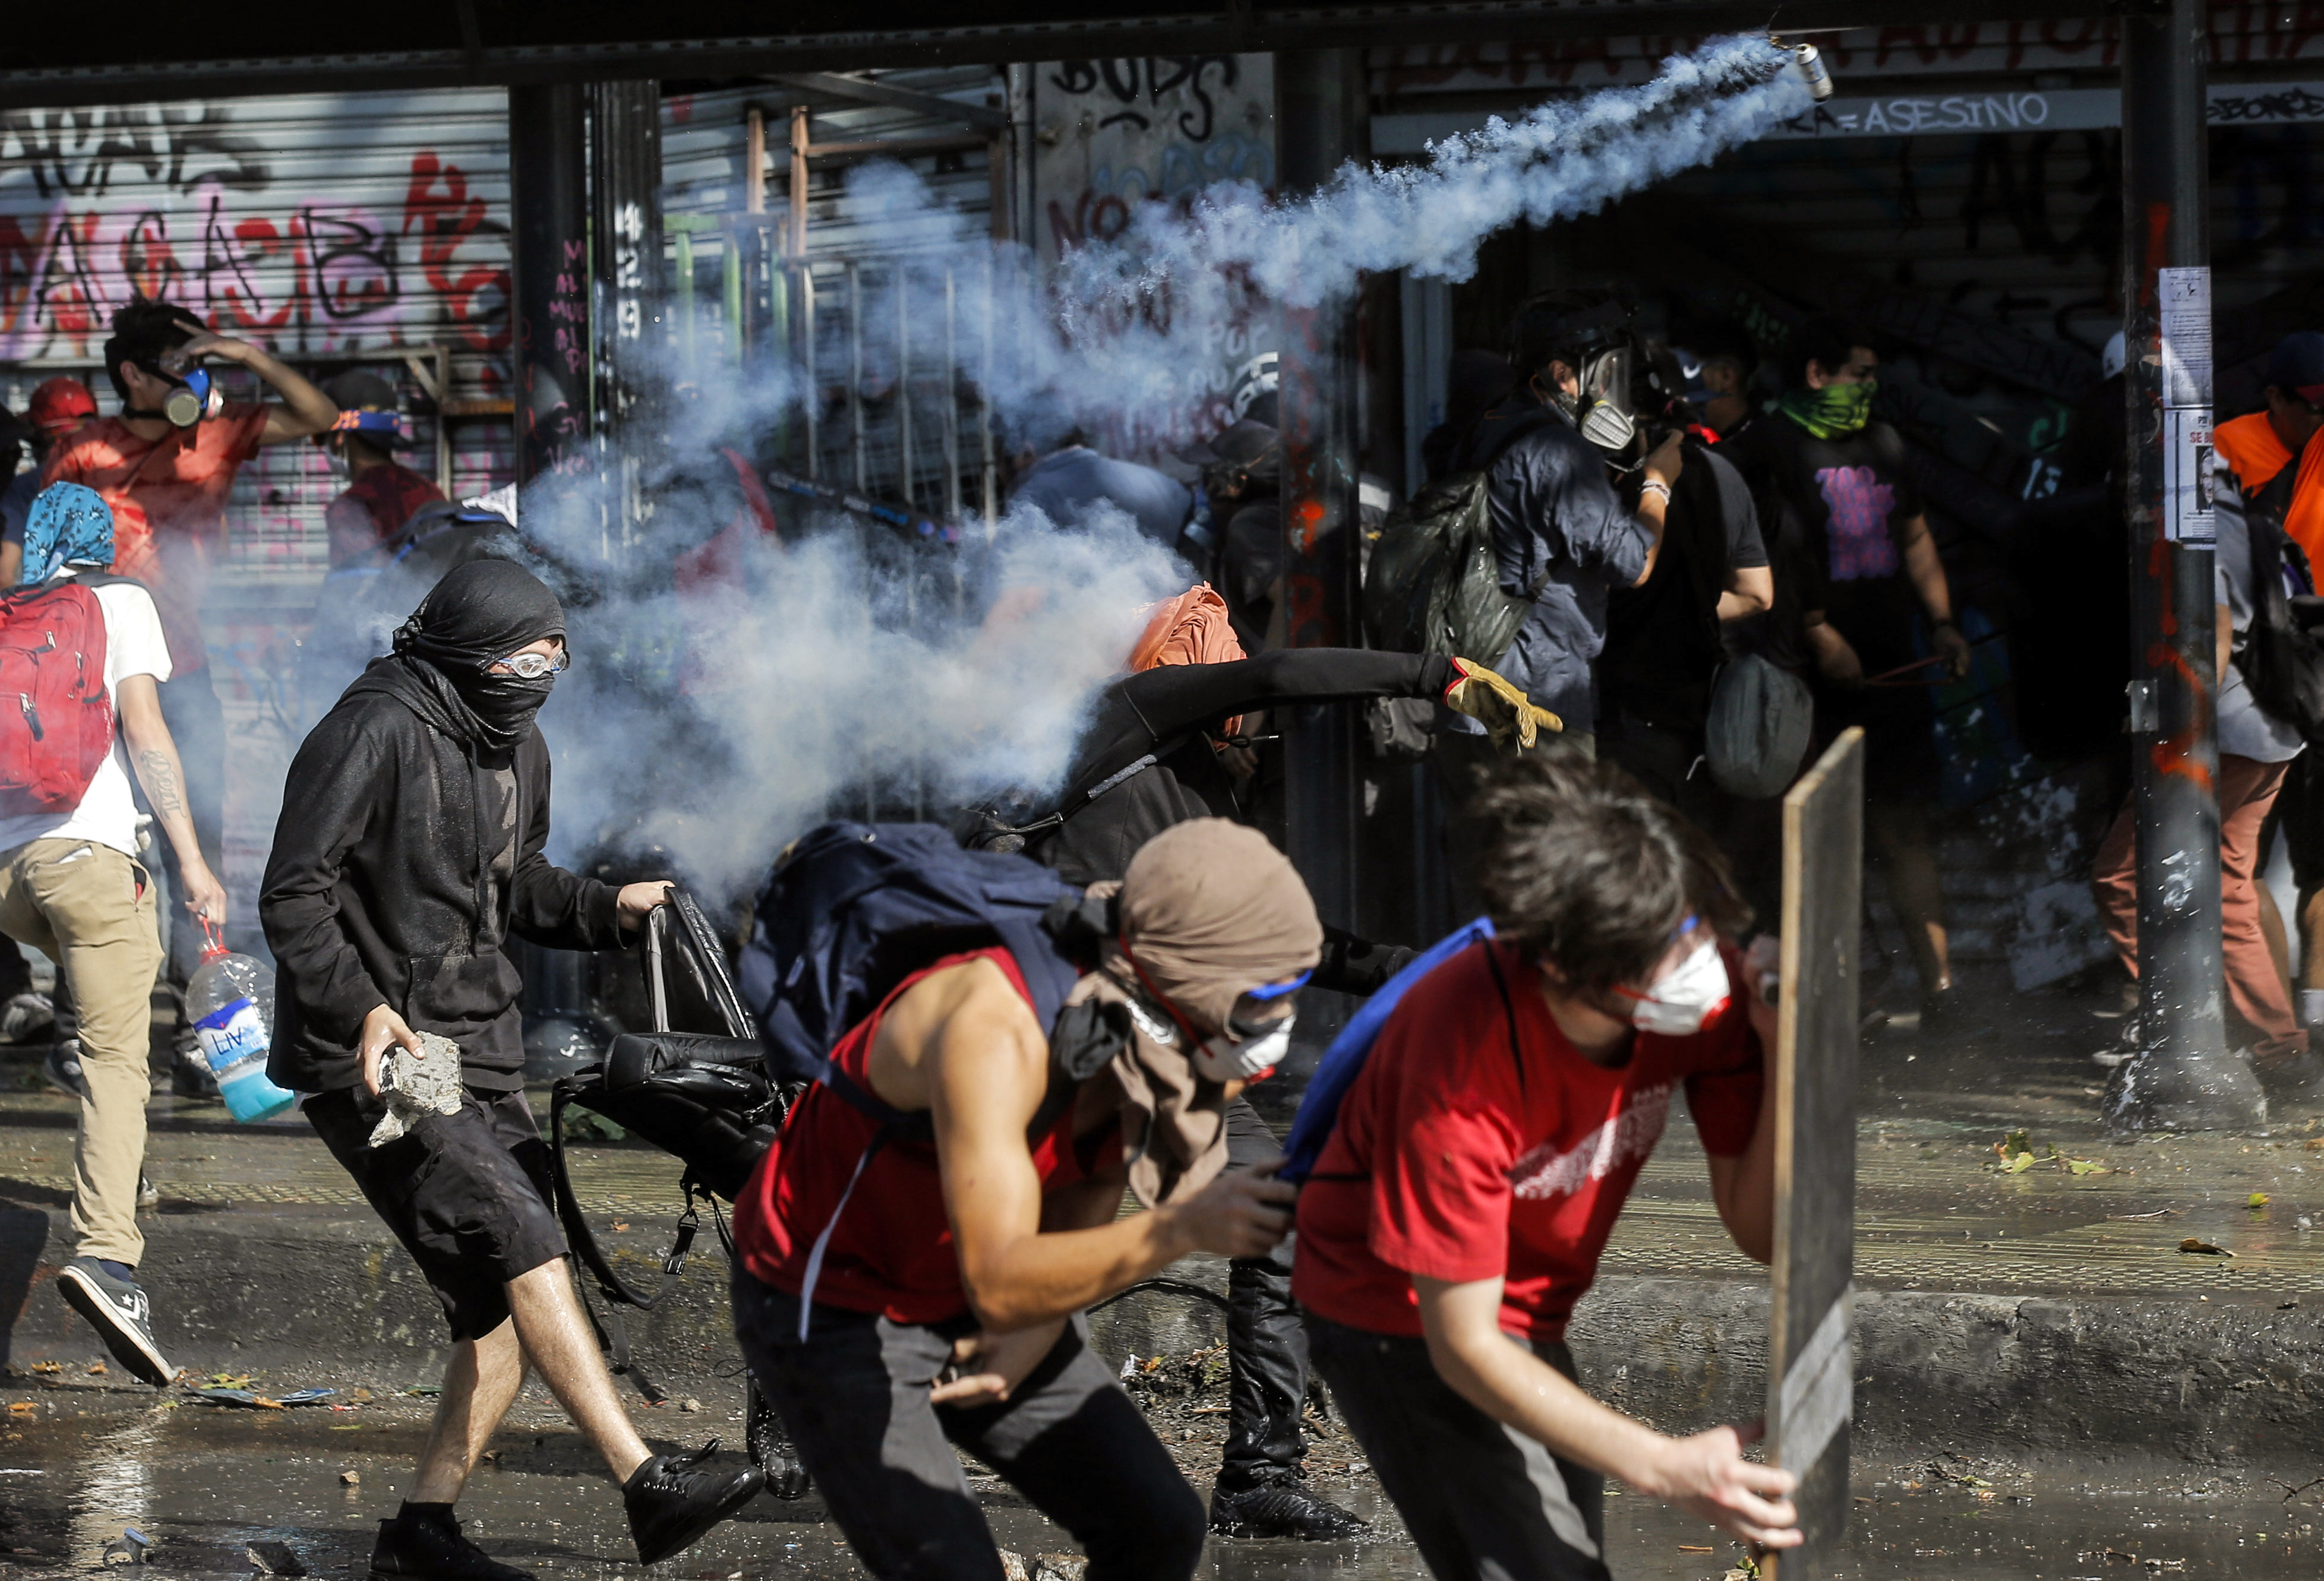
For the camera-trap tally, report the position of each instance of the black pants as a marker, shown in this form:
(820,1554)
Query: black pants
(1483,1502)
(854,1394)
(1267,1347)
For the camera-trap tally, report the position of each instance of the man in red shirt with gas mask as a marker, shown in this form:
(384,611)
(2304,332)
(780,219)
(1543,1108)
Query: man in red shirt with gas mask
(165,464)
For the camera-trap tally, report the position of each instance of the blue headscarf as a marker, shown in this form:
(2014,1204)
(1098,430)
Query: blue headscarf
(68,525)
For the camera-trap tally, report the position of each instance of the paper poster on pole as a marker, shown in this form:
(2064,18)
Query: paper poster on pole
(2189,484)
(2185,310)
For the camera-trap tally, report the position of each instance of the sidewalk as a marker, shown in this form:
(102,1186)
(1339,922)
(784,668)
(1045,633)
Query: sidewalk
(2044,1312)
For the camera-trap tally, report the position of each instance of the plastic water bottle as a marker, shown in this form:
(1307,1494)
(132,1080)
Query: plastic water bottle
(231,1002)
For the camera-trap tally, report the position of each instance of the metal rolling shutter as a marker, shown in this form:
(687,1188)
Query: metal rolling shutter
(335,229)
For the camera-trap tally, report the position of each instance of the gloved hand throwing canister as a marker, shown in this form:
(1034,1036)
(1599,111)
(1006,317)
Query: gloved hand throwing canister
(1508,714)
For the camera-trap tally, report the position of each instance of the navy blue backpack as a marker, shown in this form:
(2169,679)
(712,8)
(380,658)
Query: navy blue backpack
(1344,1061)
(854,909)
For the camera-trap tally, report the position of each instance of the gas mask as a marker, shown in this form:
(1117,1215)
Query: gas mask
(1224,1057)
(1684,1001)
(193,396)
(1603,412)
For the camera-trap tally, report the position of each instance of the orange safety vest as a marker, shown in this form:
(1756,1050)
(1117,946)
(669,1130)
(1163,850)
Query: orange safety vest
(2249,446)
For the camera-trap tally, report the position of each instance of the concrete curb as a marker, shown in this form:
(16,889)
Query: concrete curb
(319,1294)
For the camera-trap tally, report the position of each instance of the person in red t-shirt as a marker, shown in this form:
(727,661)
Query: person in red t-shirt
(1482,1154)
(381,492)
(899,1298)
(166,465)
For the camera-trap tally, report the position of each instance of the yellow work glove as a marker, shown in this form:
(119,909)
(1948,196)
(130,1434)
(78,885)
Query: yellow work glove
(1508,715)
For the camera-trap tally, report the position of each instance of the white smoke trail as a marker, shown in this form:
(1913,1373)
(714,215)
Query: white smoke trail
(1124,321)
(816,670)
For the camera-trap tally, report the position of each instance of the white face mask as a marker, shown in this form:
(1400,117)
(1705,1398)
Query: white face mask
(1221,1059)
(1682,1002)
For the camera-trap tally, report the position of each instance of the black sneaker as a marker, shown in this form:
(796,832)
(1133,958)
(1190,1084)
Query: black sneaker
(2296,1077)
(62,1068)
(674,1499)
(191,1075)
(770,1449)
(1282,1508)
(117,1310)
(435,1548)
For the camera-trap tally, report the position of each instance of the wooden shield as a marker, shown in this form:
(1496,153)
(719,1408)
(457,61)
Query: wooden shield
(1809,1354)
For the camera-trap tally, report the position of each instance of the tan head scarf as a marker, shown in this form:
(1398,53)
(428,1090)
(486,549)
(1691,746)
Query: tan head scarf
(1210,909)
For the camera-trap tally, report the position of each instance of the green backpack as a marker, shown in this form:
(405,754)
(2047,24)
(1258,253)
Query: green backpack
(1432,583)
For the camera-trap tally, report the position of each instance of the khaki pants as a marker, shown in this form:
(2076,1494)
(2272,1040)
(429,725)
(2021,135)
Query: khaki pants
(90,909)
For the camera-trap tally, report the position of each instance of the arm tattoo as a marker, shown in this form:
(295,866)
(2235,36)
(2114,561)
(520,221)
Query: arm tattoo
(160,783)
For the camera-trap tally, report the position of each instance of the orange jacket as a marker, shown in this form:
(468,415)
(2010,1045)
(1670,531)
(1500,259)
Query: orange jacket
(2249,446)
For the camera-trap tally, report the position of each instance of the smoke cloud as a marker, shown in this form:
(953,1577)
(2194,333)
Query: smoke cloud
(717,722)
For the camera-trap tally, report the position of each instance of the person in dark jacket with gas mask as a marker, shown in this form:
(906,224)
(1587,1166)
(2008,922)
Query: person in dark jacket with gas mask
(408,850)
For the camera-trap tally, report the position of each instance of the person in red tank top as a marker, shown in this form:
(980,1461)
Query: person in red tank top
(896,1297)
(1482,1156)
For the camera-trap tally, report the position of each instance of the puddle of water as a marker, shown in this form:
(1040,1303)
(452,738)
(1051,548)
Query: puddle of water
(204,1484)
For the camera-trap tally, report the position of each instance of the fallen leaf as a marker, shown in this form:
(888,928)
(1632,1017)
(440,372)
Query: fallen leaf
(619,1226)
(22,1408)
(97,1369)
(2020,1164)
(2204,1247)
(2014,1144)
(2258,1200)
(363,1394)
(2086,1166)
(48,1366)
(351,1479)
(2314,1144)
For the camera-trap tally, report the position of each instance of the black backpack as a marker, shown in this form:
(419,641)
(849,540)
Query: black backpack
(1432,582)
(2281,659)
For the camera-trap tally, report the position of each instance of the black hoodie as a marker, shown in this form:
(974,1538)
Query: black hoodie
(410,849)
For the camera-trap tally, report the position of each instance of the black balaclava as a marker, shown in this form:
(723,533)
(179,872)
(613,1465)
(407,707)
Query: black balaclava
(480,614)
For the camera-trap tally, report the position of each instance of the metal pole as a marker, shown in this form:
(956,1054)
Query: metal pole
(625,152)
(811,402)
(549,207)
(951,404)
(855,375)
(989,474)
(1319,99)
(2184,1076)
(904,468)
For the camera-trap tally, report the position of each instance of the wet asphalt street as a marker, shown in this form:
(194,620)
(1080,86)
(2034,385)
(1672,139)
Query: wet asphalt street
(204,1484)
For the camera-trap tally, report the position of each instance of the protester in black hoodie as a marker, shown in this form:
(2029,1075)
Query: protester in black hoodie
(410,848)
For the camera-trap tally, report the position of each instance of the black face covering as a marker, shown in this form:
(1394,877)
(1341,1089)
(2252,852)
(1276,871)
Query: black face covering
(479,615)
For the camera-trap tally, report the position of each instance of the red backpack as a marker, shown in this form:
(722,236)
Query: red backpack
(56,720)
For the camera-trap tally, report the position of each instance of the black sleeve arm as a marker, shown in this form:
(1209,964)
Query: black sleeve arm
(338,780)
(1172,698)
(547,904)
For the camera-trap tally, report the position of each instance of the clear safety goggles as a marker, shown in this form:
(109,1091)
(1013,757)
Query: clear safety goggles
(532,667)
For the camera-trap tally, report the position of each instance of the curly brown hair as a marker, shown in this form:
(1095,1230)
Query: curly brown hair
(1581,867)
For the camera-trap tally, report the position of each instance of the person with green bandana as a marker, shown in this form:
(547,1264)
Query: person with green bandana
(1886,603)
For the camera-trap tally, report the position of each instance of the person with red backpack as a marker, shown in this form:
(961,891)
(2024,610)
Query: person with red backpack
(84,655)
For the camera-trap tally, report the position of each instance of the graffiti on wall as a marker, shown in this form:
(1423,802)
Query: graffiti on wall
(1111,134)
(100,205)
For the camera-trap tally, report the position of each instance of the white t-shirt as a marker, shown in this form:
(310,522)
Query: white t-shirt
(108,814)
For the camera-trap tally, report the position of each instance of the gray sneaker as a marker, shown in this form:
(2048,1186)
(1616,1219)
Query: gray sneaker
(118,1310)
(62,1068)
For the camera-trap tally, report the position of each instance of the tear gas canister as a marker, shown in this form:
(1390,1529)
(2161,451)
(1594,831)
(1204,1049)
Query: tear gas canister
(1807,68)
(231,1003)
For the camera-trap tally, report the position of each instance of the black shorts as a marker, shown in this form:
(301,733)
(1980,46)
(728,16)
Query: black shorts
(469,1195)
